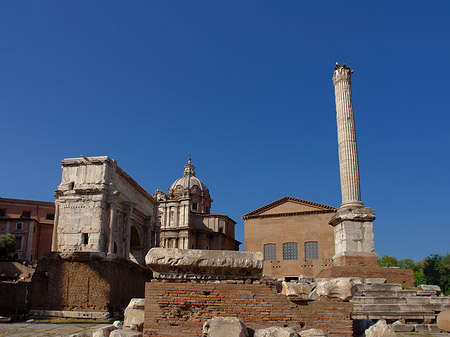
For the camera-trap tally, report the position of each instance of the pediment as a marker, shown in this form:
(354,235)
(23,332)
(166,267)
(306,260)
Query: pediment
(289,205)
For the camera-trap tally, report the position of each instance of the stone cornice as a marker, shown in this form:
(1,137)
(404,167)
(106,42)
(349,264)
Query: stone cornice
(256,212)
(280,215)
(27,202)
(352,214)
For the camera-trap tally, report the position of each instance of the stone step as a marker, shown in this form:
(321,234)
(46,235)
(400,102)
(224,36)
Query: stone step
(395,315)
(378,300)
(426,293)
(379,287)
(393,307)
(379,293)
(426,328)
(440,300)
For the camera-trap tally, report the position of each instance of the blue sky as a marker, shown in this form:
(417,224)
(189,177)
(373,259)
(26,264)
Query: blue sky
(245,88)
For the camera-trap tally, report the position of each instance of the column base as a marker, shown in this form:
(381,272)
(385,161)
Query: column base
(356,261)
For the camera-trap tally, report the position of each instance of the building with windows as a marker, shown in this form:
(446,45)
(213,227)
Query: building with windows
(185,217)
(294,235)
(31,223)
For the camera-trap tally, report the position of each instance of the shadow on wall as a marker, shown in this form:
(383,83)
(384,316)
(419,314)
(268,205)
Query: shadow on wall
(85,282)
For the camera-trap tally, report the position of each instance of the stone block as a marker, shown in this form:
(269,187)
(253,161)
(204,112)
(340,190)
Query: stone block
(134,314)
(380,329)
(398,326)
(224,327)
(313,333)
(426,328)
(429,287)
(125,333)
(296,289)
(375,280)
(204,264)
(275,331)
(443,320)
(341,288)
(104,332)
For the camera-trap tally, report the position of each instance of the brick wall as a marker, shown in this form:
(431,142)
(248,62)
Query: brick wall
(13,298)
(83,283)
(392,275)
(180,309)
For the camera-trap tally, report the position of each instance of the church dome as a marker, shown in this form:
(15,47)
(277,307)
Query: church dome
(189,180)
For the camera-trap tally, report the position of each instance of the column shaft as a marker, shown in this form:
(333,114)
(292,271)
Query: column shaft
(348,152)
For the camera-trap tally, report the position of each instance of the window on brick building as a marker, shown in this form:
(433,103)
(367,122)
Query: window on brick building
(290,251)
(194,206)
(26,214)
(270,252)
(50,216)
(2,212)
(19,226)
(311,250)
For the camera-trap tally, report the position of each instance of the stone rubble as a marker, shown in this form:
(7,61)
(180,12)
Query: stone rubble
(224,327)
(275,331)
(313,333)
(196,264)
(341,288)
(443,319)
(134,315)
(380,329)
(125,333)
(104,332)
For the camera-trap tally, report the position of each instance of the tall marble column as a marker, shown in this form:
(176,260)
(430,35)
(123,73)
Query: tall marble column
(353,223)
(348,152)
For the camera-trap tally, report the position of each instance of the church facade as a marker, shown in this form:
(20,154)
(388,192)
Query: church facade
(185,217)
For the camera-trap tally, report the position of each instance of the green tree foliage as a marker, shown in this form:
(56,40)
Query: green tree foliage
(434,269)
(7,244)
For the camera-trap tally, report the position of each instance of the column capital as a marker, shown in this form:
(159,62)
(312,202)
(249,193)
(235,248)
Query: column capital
(342,73)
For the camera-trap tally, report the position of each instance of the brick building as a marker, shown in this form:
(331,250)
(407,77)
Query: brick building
(293,234)
(31,222)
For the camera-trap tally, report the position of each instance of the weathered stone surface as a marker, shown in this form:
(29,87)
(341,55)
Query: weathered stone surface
(375,280)
(118,324)
(224,327)
(295,290)
(104,332)
(125,333)
(95,207)
(341,288)
(443,320)
(197,264)
(398,326)
(134,314)
(380,329)
(313,333)
(429,287)
(275,331)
